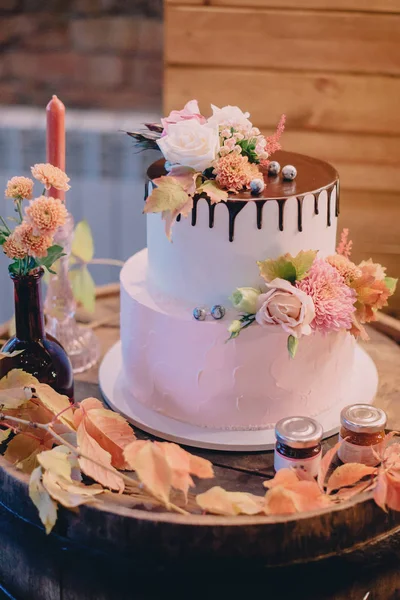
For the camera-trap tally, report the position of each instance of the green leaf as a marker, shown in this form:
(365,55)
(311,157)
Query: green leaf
(54,253)
(281,268)
(82,245)
(303,262)
(83,288)
(14,268)
(391,284)
(167,196)
(292,345)
(213,191)
(3,236)
(291,268)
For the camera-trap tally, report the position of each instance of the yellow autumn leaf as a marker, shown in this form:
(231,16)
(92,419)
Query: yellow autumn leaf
(57,403)
(4,434)
(83,287)
(69,494)
(30,462)
(17,378)
(14,398)
(82,245)
(46,506)
(169,195)
(213,191)
(58,461)
(220,502)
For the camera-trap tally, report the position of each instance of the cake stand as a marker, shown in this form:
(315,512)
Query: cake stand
(362,388)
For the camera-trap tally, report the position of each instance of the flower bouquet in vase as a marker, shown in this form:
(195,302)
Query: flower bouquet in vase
(32,249)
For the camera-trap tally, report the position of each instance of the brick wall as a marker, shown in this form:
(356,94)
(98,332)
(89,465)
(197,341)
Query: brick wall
(91,53)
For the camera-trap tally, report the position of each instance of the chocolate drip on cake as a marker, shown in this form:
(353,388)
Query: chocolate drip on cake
(330,192)
(259,208)
(337,206)
(211,213)
(300,214)
(316,198)
(281,204)
(234,209)
(178,218)
(194,211)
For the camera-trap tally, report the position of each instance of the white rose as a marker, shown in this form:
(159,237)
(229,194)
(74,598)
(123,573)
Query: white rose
(287,306)
(191,144)
(245,299)
(230,115)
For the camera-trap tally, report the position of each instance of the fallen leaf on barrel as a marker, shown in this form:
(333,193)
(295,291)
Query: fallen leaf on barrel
(69,494)
(152,469)
(220,502)
(110,430)
(97,465)
(42,500)
(347,475)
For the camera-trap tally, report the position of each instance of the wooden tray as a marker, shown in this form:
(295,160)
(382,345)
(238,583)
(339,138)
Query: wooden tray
(122,551)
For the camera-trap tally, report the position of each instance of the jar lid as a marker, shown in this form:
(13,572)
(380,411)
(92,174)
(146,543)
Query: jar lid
(363,418)
(298,432)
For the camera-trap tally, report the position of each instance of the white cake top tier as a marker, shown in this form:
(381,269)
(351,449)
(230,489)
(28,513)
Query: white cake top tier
(216,249)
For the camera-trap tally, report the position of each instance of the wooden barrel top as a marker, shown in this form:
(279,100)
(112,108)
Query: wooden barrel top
(131,541)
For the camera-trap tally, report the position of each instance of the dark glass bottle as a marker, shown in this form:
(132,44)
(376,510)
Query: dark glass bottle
(31,349)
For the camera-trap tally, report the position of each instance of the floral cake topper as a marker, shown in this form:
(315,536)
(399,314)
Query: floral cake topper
(305,293)
(207,157)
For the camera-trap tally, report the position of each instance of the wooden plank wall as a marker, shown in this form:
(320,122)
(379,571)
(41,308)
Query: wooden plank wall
(333,66)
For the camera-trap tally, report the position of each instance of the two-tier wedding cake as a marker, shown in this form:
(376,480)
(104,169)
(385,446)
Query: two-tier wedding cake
(240,311)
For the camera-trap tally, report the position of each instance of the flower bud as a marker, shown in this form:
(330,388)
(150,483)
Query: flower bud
(245,299)
(235,326)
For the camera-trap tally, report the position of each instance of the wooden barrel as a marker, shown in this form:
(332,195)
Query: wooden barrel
(123,552)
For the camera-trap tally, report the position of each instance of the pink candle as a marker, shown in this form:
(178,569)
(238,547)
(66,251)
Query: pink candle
(55,139)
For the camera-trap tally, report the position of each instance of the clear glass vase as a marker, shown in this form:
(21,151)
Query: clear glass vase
(80,342)
(31,349)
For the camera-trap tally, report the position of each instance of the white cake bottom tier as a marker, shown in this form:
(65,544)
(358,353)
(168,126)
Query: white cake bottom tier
(183,368)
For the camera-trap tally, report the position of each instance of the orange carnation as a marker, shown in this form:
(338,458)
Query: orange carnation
(50,176)
(233,172)
(13,248)
(19,187)
(46,215)
(34,245)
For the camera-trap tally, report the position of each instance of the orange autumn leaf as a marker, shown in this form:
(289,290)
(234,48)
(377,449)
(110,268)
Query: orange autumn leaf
(200,467)
(84,407)
(110,430)
(347,475)
(108,477)
(326,464)
(350,492)
(282,477)
(151,467)
(183,465)
(301,496)
(380,490)
(220,502)
(22,447)
(56,403)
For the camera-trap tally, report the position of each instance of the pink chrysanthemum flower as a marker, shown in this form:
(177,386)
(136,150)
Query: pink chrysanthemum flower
(50,176)
(233,172)
(333,299)
(13,248)
(19,187)
(347,269)
(34,245)
(46,215)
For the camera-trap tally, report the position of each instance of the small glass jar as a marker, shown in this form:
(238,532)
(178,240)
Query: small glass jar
(362,433)
(298,444)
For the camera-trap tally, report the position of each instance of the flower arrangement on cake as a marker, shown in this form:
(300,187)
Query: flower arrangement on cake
(30,245)
(306,293)
(205,157)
